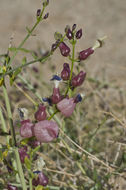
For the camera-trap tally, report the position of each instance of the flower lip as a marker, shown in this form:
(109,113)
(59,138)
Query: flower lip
(48,100)
(36,172)
(78,98)
(56,77)
(66,106)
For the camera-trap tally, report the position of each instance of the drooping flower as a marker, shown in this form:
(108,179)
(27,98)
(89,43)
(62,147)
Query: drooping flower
(41,113)
(85,53)
(66,106)
(26,129)
(45,131)
(64,49)
(78,79)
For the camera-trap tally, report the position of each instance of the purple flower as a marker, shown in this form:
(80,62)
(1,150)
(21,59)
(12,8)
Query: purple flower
(64,49)
(79,34)
(45,131)
(26,129)
(40,180)
(65,74)
(66,106)
(78,79)
(23,153)
(85,54)
(41,113)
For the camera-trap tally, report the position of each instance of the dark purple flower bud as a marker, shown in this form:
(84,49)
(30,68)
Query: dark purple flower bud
(43,180)
(26,129)
(35,69)
(11,187)
(79,34)
(41,113)
(78,79)
(85,53)
(56,97)
(23,153)
(46,16)
(69,34)
(64,49)
(35,182)
(40,180)
(45,131)
(38,12)
(78,98)
(74,27)
(66,28)
(65,74)
(54,46)
(66,106)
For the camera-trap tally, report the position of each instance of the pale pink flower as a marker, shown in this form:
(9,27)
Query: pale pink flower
(66,106)
(45,131)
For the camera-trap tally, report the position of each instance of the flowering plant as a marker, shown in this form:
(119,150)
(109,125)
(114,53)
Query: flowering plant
(20,152)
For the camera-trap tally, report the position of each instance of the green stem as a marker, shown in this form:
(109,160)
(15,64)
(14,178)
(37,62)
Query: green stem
(15,149)
(9,115)
(27,36)
(19,167)
(42,59)
(4,128)
(30,183)
(52,115)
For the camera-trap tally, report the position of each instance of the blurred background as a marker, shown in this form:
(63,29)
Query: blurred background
(95,17)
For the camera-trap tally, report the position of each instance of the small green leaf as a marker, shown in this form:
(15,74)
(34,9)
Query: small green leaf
(28,163)
(39,187)
(24,60)
(13,76)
